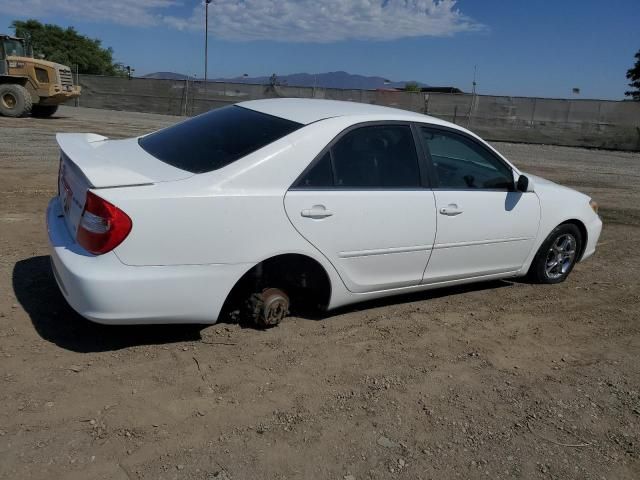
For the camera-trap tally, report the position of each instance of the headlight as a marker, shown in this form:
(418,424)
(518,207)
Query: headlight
(594,205)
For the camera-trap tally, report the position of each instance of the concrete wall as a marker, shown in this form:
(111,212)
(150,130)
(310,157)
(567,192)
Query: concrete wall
(586,123)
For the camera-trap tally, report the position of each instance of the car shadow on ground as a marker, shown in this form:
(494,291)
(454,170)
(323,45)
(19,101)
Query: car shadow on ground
(413,297)
(55,321)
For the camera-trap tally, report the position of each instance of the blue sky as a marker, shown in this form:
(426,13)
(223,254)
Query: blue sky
(530,48)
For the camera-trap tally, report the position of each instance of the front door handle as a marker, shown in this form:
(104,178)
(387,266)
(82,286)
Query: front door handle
(451,210)
(317,212)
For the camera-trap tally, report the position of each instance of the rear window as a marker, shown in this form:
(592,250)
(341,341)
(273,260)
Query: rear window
(216,139)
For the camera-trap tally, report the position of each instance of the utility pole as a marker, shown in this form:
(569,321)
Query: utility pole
(473,95)
(206,44)
(475,72)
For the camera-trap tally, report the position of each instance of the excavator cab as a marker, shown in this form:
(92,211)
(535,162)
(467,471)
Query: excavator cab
(15,47)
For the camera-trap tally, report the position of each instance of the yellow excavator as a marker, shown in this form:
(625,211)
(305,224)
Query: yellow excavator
(30,85)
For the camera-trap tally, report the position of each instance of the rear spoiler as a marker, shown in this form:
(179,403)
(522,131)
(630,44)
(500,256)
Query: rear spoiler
(79,140)
(88,153)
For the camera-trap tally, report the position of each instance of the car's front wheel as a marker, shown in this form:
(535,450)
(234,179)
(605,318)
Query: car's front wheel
(557,256)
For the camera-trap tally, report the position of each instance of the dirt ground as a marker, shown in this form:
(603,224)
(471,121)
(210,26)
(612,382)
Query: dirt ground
(495,380)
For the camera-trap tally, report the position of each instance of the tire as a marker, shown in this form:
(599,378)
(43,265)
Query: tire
(43,111)
(15,100)
(267,308)
(557,255)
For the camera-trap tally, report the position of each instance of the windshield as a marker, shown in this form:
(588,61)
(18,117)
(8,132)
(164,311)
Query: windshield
(14,48)
(216,139)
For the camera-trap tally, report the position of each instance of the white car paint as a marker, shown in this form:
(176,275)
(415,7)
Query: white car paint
(371,244)
(493,234)
(195,235)
(107,163)
(559,204)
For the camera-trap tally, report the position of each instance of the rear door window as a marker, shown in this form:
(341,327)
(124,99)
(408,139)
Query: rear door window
(380,157)
(320,175)
(216,139)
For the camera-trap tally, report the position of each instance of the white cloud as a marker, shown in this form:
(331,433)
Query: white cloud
(142,13)
(281,20)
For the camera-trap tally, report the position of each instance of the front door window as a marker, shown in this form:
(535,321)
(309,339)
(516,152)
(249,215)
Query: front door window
(460,163)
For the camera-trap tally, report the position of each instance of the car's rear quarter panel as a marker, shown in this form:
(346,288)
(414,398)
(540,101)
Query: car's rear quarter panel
(231,215)
(234,215)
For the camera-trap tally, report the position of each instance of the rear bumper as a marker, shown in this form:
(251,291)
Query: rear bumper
(104,290)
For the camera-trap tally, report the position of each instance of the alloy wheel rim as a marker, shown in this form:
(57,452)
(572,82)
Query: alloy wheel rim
(560,256)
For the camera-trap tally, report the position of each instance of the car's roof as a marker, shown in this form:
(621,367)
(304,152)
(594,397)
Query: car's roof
(307,110)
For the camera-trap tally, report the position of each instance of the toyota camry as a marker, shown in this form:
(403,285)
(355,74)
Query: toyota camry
(272,205)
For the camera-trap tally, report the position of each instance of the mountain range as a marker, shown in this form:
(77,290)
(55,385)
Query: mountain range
(338,79)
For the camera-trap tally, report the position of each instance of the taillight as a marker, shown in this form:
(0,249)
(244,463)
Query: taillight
(103,226)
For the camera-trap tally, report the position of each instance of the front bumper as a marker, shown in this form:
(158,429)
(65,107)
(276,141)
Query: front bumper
(104,290)
(594,229)
(56,97)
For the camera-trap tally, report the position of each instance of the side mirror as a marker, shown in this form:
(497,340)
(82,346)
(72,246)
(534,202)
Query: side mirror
(522,185)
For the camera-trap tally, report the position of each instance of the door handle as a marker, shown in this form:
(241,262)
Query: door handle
(316,212)
(451,210)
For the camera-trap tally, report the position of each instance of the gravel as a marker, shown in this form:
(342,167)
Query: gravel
(491,380)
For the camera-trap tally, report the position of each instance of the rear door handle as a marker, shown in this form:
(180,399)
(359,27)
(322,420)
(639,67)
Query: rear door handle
(451,210)
(317,212)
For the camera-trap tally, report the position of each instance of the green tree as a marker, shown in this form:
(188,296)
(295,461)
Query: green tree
(68,47)
(411,87)
(633,74)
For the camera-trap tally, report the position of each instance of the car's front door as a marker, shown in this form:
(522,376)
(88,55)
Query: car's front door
(364,206)
(485,227)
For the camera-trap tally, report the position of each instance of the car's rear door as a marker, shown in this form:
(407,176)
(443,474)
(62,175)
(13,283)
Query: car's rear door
(364,205)
(485,227)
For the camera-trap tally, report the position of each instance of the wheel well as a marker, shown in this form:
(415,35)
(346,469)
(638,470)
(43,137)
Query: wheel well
(583,234)
(22,81)
(304,279)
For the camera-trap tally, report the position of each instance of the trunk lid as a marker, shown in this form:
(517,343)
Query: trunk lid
(90,161)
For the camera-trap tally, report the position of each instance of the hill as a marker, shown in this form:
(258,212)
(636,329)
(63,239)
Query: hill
(338,79)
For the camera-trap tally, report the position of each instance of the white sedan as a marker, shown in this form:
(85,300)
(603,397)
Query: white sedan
(275,205)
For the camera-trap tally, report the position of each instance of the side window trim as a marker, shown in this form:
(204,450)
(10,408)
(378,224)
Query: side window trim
(417,144)
(334,175)
(431,167)
(427,172)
